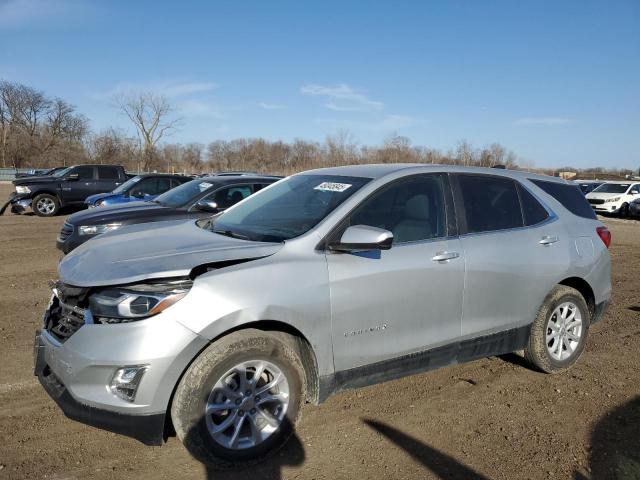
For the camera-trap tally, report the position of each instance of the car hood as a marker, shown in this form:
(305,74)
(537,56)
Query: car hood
(111,213)
(603,195)
(153,250)
(32,180)
(91,199)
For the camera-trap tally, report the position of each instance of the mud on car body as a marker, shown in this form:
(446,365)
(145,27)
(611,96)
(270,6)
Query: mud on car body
(336,278)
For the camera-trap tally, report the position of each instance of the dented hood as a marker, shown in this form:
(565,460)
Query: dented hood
(153,250)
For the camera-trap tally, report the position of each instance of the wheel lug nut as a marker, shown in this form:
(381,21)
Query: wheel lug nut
(248,392)
(253,410)
(257,397)
(241,413)
(238,401)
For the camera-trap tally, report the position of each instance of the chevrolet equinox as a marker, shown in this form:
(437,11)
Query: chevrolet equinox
(220,329)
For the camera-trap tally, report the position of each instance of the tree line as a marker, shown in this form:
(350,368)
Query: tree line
(37,131)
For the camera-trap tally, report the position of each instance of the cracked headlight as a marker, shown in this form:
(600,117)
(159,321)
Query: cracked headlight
(22,189)
(135,302)
(97,229)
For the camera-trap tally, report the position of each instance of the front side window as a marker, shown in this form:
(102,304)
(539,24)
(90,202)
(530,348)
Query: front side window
(288,208)
(226,197)
(412,209)
(84,173)
(490,203)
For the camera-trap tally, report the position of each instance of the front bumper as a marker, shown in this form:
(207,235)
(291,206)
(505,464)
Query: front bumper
(19,204)
(77,373)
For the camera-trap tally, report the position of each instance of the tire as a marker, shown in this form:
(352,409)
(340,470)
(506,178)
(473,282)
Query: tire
(624,210)
(222,360)
(542,350)
(45,205)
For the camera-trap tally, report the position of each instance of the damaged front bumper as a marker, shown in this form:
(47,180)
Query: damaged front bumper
(19,203)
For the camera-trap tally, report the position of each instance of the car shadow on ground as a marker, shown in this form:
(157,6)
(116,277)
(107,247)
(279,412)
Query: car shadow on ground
(634,308)
(615,444)
(441,464)
(292,454)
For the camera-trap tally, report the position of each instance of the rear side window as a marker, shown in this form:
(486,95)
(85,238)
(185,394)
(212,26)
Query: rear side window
(108,173)
(490,203)
(532,210)
(569,196)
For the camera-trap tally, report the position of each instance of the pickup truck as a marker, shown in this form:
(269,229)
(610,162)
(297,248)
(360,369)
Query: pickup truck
(45,195)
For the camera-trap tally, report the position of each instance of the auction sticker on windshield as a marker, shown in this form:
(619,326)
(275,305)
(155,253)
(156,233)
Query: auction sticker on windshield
(204,186)
(332,187)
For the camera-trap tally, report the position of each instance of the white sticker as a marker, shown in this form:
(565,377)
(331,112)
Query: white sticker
(332,187)
(204,186)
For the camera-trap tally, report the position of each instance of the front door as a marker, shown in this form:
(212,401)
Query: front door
(76,190)
(393,303)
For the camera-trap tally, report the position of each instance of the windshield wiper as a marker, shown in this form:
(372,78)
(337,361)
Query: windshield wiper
(231,233)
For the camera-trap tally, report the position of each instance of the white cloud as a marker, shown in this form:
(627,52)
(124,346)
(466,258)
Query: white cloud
(542,121)
(271,106)
(170,89)
(344,98)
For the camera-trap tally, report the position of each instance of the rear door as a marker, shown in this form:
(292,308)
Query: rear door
(108,179)
(395,303)
(514,250)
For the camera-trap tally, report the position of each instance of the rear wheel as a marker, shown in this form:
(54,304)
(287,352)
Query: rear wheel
(240,399)
(559,333)
(45,205)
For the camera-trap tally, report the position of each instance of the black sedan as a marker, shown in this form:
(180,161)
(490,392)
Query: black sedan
(198,198)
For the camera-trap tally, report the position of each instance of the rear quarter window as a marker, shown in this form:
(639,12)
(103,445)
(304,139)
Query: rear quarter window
(569,196)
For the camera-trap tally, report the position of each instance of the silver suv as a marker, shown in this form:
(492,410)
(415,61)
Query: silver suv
(336,278)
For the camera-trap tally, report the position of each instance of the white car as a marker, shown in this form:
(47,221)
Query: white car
(614,197)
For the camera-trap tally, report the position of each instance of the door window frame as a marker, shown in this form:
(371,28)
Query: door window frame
(450,224)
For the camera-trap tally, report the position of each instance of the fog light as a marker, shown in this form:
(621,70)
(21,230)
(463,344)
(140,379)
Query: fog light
(125,382)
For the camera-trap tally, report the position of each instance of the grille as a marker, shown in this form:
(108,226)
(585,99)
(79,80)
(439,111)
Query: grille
(65,316)
(67,230)
(596,201)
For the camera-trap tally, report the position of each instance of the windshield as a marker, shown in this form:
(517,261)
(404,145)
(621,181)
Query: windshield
(612,188)
(62,172)
(289,208)
(185,193)
(127,185)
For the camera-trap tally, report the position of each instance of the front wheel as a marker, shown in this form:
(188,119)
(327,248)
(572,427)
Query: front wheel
(624,210)
(559,332)
(45,205)
(240,399)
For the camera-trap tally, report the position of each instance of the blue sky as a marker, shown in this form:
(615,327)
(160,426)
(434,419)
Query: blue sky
(557,82)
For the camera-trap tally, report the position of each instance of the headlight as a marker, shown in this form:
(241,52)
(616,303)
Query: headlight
(21,189)
(135,302)
(99,203)
(610,200)
(97,229)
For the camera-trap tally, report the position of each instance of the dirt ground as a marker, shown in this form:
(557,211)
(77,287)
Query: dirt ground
(493,418)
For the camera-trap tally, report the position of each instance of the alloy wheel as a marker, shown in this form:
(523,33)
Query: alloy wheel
(46,206)
(564,331)
(247,404)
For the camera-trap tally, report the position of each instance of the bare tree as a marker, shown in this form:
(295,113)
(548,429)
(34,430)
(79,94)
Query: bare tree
(151,114)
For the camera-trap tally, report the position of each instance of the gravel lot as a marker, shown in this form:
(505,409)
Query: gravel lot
(493,418)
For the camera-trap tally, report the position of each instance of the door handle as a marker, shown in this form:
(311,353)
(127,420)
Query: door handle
(548,240)
(445,256)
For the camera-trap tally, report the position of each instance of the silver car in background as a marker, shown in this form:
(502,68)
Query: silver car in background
(331,279)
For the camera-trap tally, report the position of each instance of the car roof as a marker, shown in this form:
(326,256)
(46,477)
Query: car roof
(173,175)
(380,170)
(222,179)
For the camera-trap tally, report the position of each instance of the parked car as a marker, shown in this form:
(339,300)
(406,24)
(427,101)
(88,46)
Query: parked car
(192,200)
(47,194)
(141,187)
(634,208)
(588,186)
(614,197)
(336,278)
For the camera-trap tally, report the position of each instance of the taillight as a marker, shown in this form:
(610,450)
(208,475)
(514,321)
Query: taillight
(605,235)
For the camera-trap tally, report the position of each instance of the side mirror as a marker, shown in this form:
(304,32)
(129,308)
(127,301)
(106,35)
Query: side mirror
(360,238)
(72,177)
(207,206)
